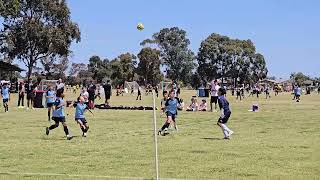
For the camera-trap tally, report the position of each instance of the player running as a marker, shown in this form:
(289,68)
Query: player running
(58,116)
(81,107)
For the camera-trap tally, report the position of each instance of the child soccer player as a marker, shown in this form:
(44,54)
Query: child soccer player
(267,92)
(5,96)
(298,92)
(164,100)
(139,94)
(171,107)
(203,105)
(51,94)
(81,107)
(238,90)
(194,105)
(59,117)
(225,113)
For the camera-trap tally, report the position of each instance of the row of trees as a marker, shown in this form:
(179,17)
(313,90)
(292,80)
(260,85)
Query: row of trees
(40,32)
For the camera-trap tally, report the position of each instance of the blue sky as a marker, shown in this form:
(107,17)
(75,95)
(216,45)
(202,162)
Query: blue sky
(286,32)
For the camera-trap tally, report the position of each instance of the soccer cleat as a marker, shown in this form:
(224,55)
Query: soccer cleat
(69,137)
(84,135)
(159,132)
(230,133)
(47,131)
(226,138)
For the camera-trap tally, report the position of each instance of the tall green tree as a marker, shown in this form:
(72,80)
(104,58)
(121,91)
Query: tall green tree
(175,53)
(36,29)
(123,68)
(149,66)
(223,57)
(213,61)
(299,77)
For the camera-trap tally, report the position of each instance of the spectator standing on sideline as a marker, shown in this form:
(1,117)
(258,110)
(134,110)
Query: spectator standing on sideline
(107,92)
(22,91)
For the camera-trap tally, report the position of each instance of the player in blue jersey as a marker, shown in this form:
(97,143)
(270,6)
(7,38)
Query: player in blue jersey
(5,93)
(81,107)
(51,97)
(58,116)
(171,110)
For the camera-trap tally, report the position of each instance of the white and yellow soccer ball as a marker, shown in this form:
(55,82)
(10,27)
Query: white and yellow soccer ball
(140,26)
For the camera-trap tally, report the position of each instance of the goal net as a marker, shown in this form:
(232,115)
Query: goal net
(45,84)
(165,86)
(128,86)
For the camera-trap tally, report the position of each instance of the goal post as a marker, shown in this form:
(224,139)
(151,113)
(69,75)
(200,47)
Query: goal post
(131,85)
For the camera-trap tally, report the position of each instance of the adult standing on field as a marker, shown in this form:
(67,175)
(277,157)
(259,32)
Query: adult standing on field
(22,90)
(60,87)
(29,88)
(214,94)
(107,92)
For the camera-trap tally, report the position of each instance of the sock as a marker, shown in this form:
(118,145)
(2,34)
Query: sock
(82,129)
(53,126)
(166,125)
(225,127)
(65,128)
(49,115)
(225,132)
(86,130)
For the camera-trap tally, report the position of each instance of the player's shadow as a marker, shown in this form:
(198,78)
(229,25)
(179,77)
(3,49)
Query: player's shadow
(46,138)
(212,139)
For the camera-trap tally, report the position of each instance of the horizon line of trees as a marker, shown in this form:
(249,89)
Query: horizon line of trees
(39,34)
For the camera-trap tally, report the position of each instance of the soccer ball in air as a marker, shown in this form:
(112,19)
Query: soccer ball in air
(140,26)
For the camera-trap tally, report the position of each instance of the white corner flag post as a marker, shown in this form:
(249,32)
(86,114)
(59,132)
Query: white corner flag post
(155,135)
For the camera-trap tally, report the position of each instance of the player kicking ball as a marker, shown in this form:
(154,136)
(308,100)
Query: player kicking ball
(58,116)
(171,109)
(225,113)
(81,107)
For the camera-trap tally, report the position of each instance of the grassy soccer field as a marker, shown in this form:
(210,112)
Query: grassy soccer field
(279,142)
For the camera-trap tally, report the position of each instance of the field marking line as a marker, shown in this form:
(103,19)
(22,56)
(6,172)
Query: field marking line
(78,175)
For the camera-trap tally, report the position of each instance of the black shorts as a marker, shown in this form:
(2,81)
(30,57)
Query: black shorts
(173,116)
(297,95)
(107,96)
(83,120)
(5,100)
(225,119)
(60,92)
(50,105)
(30,96)
(214,99)
(59,119)
(87,103)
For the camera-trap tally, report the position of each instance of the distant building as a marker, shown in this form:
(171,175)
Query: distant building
(6,69)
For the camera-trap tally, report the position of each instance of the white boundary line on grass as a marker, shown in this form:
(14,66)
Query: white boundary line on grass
(78,175)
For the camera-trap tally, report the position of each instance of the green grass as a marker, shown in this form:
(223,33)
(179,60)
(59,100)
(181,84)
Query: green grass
(279,142)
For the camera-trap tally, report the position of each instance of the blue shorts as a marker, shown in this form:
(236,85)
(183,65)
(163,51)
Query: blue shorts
(225,119)
(83,120)
(5,100)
